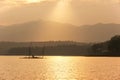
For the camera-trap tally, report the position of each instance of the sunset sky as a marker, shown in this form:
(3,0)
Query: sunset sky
(77,12)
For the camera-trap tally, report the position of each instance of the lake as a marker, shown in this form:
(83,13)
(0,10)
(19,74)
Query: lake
(59,68)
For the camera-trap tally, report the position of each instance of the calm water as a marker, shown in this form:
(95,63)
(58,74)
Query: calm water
(59,68)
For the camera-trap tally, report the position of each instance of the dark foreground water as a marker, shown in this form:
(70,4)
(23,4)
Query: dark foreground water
(59,68)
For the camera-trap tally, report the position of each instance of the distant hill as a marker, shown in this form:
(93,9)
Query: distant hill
(99,32)
(36,31)
(54,31)
(51,48)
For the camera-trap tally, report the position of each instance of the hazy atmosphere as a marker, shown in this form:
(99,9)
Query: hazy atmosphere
(48,20)
(59,39)
(77,12)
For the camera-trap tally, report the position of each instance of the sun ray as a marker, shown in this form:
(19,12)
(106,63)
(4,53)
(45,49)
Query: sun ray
(62,11)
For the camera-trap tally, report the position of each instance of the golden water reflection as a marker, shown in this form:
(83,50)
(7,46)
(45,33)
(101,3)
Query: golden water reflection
(59,68)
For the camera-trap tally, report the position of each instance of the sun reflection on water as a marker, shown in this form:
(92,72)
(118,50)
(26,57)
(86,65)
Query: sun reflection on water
(61,68)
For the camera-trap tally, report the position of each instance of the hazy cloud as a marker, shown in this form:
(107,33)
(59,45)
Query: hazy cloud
(82,11)
(37,1)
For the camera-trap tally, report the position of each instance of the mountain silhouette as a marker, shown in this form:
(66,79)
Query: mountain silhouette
(54,31)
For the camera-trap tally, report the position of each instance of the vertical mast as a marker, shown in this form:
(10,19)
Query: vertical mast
(43,51)
(30,51)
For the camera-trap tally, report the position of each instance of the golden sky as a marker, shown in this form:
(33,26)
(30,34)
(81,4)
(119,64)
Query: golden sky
(77,12)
